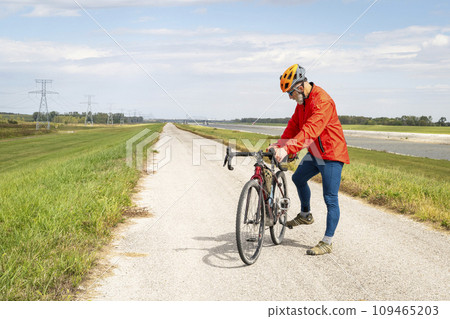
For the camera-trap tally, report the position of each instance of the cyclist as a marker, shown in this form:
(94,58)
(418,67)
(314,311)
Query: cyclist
(314,125)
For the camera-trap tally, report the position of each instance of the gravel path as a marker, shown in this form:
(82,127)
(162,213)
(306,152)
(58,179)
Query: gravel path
(187,251)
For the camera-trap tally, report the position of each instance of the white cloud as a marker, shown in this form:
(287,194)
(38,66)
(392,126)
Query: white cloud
(144,19)
(202,50)
(440,40)
(445,88)
(200,11)
(44,8)
(171,32)
(99,69)
(198,51)
(46,11)
(43,51)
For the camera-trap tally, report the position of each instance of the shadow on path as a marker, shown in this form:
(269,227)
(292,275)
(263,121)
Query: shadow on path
(225,254)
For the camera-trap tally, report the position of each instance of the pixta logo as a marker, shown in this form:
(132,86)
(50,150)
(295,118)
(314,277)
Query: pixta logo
(157,156)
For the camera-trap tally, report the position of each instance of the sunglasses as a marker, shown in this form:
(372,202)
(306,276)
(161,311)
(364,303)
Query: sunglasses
(294,89)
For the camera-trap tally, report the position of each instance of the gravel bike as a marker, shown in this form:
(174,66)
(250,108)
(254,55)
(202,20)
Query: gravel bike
(263,202)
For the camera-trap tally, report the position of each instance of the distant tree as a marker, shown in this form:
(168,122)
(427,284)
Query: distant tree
(52,115)
(100,118)
(425,121)
(442,121)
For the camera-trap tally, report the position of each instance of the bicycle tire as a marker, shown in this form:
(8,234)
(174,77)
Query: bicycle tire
(278,230)
(250,222)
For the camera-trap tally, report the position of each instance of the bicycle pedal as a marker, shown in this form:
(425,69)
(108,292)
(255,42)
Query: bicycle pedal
(284,204)
(251,240)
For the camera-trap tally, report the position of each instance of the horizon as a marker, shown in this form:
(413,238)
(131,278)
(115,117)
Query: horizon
(83,113)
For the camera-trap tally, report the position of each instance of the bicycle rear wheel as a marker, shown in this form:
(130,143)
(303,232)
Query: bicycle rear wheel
(250,222)
(279,228)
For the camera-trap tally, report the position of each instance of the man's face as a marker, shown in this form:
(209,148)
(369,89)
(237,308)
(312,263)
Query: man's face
(296,93)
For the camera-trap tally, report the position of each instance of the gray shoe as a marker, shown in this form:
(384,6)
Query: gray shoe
(299,220)
(320,249)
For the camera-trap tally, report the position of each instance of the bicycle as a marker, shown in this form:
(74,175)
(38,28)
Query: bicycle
(263,202)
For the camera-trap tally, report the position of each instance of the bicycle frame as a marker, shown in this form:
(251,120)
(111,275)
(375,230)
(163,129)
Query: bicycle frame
(258,175)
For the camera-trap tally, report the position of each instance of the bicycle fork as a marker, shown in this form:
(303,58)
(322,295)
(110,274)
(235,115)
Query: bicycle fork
(257,219)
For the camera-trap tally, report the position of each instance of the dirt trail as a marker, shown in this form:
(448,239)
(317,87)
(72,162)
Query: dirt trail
(187,251)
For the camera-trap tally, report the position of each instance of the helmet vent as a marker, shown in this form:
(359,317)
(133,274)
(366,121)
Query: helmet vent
(290,76)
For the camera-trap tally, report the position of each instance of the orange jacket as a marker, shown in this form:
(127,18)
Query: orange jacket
(315,125)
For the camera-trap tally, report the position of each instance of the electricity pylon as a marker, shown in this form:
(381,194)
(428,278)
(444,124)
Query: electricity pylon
(43,103)
(88,118)
(110,119)
(122,120)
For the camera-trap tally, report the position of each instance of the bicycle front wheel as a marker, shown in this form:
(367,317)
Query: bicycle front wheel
(280,193)
(250,222)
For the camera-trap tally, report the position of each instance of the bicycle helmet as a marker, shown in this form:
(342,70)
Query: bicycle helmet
(293,75)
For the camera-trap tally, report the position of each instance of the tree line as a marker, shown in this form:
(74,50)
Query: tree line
(408,120)
(98,118)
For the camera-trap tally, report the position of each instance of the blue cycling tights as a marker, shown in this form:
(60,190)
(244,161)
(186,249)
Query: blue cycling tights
(331,180)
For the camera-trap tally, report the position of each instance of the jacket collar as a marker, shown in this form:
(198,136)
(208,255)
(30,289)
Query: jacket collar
(312,88)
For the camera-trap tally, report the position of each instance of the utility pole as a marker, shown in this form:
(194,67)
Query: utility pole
(43,103)
(88,118)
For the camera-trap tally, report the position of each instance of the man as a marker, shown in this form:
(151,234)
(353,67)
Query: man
(314,125)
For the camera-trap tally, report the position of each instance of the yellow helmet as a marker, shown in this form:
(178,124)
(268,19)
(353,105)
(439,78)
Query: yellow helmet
(293,75)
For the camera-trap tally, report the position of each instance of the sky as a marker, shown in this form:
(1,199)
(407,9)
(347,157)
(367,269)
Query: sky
(222,59)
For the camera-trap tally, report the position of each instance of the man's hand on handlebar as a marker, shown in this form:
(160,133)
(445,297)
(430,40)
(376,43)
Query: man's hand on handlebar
(280,154)
(274,146)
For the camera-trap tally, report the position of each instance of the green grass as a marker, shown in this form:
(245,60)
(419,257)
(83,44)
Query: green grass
(415,186)
(245,140)
(258,123)
(61,194)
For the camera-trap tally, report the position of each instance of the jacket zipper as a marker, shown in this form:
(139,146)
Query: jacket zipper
(320,144)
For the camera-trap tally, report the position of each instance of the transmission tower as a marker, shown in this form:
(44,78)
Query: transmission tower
(89,103)
(43,103)
(110,119)
(122,118)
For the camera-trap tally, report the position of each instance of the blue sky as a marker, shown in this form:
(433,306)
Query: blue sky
(222,59)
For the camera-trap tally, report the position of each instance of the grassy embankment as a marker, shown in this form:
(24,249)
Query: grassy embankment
(8,130)
(61,194)
(409,185)
(401,129)
(27,129)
